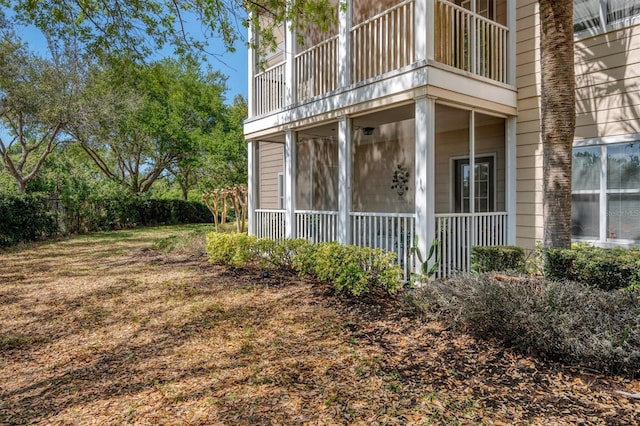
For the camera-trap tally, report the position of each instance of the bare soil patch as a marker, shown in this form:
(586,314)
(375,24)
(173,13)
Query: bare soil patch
(104,330)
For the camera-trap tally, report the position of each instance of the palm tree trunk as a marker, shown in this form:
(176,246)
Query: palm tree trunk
(558,118)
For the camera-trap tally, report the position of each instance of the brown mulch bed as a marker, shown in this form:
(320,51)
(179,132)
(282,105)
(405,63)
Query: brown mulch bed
(100,332)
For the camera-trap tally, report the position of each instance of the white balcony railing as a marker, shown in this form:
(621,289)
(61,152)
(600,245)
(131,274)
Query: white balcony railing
(317,226)
(393,232)
(470,42)
(270,224)
(384,42)
(317,69)
(458,232)
(270,89)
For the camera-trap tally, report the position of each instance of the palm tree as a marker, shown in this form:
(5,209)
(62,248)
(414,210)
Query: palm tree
(558,118)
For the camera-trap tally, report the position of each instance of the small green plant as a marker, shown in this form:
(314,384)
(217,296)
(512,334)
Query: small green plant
(426,271)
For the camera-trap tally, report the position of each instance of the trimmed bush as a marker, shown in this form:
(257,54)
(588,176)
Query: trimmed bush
(231,249)
(280,254)
(608,269)
(569,321)
(25,218)
(497,258)
(350,269)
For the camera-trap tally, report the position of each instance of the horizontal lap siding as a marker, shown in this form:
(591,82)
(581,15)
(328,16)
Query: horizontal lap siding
(529,148)
(608,84)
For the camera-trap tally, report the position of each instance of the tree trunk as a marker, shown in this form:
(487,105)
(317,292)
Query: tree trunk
(558,118)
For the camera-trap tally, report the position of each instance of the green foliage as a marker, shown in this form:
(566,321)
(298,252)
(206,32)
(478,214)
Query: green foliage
(25,218)
(604,268)
(231,249)
(569,321)
(353,270)
(37,97)
(280,254)
(350,269)
(426,271)
(497,258)
(127,212)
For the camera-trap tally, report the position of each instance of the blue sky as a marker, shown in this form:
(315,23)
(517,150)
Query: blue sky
(231,64)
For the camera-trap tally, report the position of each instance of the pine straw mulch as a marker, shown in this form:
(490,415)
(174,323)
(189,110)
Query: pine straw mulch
(94,332)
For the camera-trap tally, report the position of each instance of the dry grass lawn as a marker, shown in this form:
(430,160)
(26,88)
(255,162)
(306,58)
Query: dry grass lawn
(102,329)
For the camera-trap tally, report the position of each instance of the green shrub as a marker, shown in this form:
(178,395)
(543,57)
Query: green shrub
(280,254)
(25,218)
(351,269)
(607,269)
(497,258)
(568,321)
(232,249)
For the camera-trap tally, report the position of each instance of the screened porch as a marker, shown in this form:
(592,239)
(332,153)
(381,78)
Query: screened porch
(363,191)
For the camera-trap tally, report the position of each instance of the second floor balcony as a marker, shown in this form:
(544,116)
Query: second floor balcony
(374,39)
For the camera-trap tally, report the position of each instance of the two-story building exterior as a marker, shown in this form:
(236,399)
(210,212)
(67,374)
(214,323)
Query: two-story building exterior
(418,120)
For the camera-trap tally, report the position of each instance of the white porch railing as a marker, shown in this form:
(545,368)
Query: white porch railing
(458,232)
(470,42)
(317,226)
(317,69)
(270,224)
(387,231)
(269,89)
(384,42)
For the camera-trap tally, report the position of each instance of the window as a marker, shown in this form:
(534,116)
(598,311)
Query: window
(594,16)
(484,195)
(606,187)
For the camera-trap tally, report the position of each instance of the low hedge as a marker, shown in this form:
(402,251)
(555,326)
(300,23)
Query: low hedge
(569,321)
(350,269)
(497,258)
(607,269)
(127,212)
(32,217)
(25,218)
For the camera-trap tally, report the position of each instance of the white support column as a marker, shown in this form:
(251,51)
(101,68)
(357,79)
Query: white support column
(291,138)
(510,179)
(472,186)
(290,94)
(345,158)
(251,63)
(344,43)
(472,162)
(430,29)
(511,43)
(252,187)
(421,28)
(425,174)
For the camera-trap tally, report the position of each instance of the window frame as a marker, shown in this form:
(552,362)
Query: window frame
(457,203)
(604,238)
(605,26)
